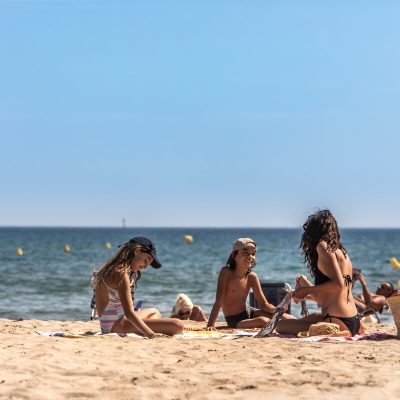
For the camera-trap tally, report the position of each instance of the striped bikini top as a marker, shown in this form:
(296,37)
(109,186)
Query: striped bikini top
(113,297)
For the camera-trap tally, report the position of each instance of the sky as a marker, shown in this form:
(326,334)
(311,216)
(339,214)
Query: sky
(199,113)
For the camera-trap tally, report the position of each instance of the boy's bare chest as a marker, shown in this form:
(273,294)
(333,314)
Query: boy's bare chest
(238,286)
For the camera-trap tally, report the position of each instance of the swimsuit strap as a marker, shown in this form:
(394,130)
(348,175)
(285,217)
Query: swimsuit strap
(348,281)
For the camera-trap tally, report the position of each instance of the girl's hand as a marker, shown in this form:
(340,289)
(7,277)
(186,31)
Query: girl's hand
(300,293)
(210,328)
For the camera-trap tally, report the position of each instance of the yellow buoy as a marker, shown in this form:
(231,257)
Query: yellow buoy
(107,245)
(395,263)
(398,283)
(188,239)
(19,251)
(67,249)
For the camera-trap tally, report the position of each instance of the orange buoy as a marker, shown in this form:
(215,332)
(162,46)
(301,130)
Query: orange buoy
(395,263)
(188,239)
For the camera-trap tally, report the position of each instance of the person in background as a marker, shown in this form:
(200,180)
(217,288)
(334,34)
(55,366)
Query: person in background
(368,302)
(185,309)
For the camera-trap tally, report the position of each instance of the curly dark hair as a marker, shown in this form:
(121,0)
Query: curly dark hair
(319,226)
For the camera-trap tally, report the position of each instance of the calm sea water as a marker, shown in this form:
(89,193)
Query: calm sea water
(47,283)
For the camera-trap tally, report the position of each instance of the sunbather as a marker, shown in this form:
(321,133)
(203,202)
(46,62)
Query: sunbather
(368,302)
(185,309)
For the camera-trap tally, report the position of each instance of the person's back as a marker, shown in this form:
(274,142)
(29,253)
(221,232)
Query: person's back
(101,297)
(337,302)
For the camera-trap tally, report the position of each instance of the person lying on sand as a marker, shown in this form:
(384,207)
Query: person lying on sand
(235,280)
(368,302)
(113,293)
(185,309)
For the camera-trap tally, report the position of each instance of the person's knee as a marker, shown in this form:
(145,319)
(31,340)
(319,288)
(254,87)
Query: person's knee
(264,321)
(153,313)
(177,326)
(157,313)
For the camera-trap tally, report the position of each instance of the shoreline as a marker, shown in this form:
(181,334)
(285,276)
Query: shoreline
(39,367)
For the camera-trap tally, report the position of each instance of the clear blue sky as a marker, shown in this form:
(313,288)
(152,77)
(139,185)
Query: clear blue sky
(208,113)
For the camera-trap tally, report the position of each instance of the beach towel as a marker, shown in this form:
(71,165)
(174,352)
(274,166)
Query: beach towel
(233,334)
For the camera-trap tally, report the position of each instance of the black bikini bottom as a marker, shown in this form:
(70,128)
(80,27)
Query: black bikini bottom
(352,323)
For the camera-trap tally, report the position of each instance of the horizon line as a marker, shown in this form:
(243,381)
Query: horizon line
(183,227)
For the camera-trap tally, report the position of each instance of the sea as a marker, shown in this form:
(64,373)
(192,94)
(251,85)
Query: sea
(47,283)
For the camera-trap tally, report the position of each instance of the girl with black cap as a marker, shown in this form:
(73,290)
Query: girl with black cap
(113,293)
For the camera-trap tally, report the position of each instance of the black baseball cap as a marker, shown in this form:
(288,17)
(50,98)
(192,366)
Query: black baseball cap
(147,246)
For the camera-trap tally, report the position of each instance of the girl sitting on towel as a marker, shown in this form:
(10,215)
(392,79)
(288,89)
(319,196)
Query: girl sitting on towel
(234,283)
(113,293)
(331,267)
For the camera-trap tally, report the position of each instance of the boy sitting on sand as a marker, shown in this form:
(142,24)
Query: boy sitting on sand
(234,283)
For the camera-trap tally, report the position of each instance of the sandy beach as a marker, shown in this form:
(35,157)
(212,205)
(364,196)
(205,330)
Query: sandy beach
(109,367)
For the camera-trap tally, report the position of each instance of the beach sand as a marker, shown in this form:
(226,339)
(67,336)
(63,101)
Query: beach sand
(112,367)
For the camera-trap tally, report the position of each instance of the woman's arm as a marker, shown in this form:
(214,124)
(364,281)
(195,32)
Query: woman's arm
(302,281)
(329,265)
(259,294)
(219,296)
(124,291)
(374,301)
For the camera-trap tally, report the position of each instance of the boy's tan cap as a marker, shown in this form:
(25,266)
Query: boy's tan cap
(243,243)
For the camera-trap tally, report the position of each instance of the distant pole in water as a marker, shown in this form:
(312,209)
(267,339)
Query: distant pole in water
(123,222)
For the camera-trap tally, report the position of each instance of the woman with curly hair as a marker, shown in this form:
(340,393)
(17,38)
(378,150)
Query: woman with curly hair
(330,265)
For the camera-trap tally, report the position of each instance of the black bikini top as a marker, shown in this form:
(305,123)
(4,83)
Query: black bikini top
(320,278)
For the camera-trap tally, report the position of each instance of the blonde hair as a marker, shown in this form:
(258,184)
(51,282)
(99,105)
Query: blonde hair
(182,305)
(119,264)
